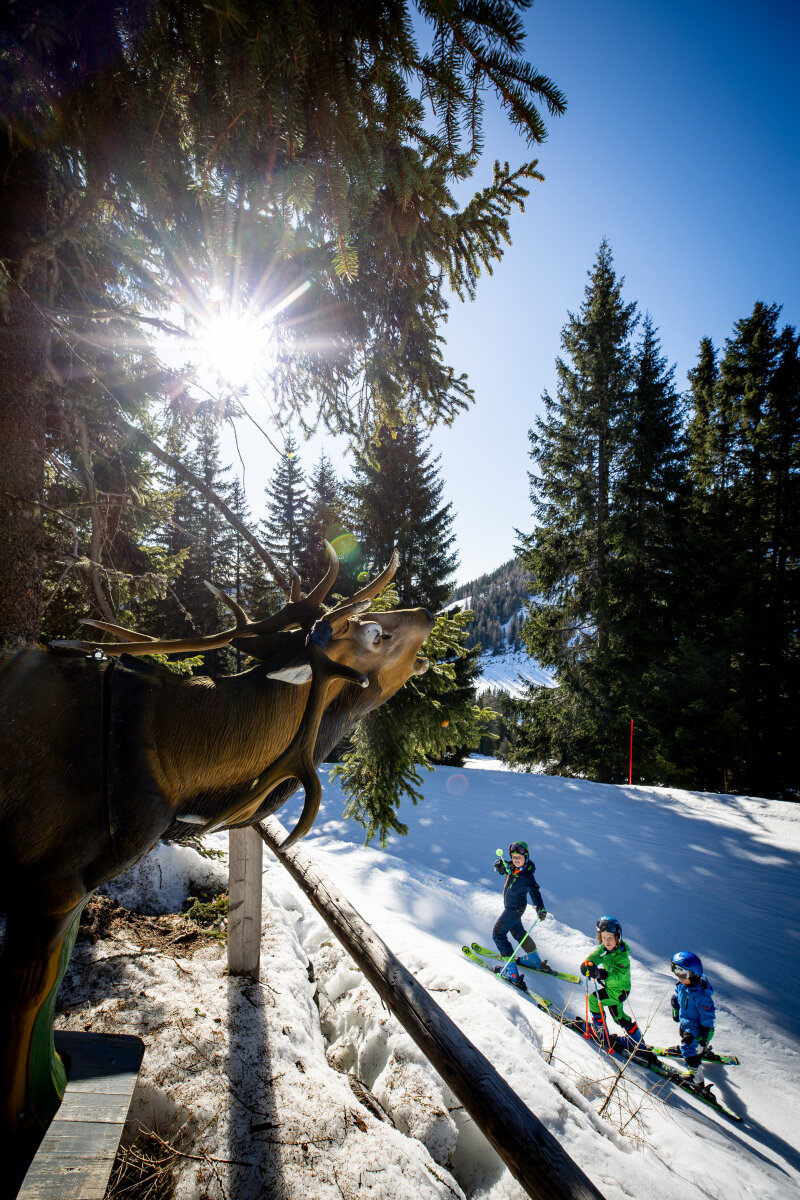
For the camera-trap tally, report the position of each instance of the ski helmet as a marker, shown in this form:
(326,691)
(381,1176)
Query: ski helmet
(609,925)
(519,848)
(684,960)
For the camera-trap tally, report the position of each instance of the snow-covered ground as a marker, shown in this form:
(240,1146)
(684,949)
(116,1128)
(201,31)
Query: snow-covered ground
(305,1086)
(510,672)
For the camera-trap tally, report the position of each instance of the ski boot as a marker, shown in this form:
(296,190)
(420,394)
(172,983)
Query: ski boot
(510,972)
(532,960)
(697,1082)
(633,1042)
(597,1031)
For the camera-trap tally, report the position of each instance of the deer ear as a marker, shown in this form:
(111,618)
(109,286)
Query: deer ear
(299,674)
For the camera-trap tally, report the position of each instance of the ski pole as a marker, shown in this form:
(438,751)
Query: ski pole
(513,952)
(499,854)
(586,1032)
(602,1014)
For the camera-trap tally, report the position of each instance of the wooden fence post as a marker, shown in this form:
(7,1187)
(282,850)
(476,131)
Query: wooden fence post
(527,1147)
(245,853)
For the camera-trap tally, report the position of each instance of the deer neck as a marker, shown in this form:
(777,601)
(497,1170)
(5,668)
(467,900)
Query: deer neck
(216,738)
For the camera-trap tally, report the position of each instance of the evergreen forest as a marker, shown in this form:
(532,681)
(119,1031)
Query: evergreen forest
(665,555)
(496,601)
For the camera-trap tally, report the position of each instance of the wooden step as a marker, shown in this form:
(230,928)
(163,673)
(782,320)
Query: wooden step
(77,1153)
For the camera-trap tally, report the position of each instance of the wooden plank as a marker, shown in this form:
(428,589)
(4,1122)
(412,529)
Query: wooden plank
(533,1156)
(245,854)
(67,1179)
(93,1054)
(87,1139)
(94,1106)
(108,1085)
(76,1156)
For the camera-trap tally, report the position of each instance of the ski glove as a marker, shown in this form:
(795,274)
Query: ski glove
(499,866)
(589,968)
(687,1036)
(541,912)
(675,1010)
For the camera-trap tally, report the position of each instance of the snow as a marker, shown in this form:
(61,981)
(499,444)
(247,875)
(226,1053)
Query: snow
(305,1086)
(511,672)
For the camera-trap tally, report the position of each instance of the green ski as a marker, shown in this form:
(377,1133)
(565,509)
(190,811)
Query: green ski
(710,1056)
(499,958)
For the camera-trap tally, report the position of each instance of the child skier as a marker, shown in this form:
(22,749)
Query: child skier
(693,1009)
(519,885)
(609,966)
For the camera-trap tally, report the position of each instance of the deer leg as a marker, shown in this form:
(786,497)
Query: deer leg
(32,1076)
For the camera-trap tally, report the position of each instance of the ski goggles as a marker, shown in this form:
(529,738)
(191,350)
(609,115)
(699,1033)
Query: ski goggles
(606,926)
(681,972)
(516,848)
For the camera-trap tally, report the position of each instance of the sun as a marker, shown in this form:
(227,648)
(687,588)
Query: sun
(235,347)
(238,345)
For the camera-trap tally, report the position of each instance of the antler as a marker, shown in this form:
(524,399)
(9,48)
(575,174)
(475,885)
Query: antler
(301,611)
(372,589)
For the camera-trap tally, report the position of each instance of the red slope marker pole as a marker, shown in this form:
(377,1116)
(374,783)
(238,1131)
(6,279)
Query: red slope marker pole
(630,764)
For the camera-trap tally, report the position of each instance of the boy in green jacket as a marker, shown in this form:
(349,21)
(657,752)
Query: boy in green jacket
(609,965)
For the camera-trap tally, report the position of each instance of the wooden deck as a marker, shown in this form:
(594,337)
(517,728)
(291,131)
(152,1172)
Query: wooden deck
(77,1153)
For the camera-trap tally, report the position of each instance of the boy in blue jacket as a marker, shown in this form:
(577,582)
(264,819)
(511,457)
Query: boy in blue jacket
(693,1009)
(520,883)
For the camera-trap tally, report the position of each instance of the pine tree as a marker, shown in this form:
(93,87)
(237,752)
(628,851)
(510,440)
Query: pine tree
(740,641)
(433,718)
(186,150)
(284,529)
(699,718)
(211,550)
(396,500)
(325,521)
(576,449)
(647,502)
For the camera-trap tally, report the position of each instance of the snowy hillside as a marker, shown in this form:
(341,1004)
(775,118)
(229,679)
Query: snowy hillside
(305,1086)
(510,672)
(497,602)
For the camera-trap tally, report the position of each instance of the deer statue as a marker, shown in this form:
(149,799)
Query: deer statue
(102,754)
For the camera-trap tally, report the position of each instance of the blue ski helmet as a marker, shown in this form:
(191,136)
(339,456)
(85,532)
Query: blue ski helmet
(519,848)
(609,925)
(684,960)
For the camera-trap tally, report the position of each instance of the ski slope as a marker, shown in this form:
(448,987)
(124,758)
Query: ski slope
(681,870)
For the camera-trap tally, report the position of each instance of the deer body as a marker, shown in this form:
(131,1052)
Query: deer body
(99,760)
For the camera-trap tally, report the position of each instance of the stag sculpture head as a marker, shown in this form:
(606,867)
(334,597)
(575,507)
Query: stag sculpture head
(101,754)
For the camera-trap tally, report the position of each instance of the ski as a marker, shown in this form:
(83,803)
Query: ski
(480,961)
(499,958)
(680,1078)
(710,1056)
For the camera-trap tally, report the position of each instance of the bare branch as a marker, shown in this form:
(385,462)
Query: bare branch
(142,439)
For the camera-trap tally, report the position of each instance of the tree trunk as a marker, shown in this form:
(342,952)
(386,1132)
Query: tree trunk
(23,346)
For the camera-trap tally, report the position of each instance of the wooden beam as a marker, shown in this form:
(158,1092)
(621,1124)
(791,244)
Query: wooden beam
(526,1146)
(245,853)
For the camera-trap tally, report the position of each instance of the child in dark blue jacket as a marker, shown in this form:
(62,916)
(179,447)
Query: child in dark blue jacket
(520,884)
(693,1009)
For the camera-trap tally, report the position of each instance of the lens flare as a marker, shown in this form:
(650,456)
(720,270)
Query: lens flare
(345,545)
(457,785)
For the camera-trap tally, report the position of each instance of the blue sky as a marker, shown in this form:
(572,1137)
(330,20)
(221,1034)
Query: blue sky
(680,146)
